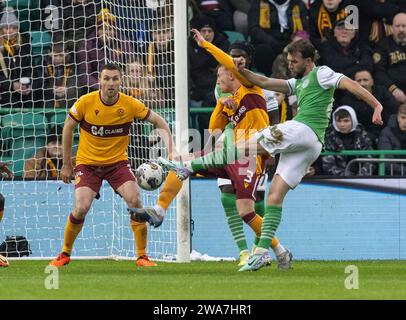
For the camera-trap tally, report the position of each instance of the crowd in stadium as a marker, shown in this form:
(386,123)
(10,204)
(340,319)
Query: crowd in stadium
(366,42)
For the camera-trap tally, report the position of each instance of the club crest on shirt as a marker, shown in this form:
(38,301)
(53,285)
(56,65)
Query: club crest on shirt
(120,112)
(73,110)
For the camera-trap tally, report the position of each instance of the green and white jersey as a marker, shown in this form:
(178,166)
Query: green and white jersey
(315,97)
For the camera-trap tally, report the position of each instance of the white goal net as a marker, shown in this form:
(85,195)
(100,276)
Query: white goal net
(51,52)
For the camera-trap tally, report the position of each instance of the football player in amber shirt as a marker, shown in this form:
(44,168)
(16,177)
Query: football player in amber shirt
(105,117)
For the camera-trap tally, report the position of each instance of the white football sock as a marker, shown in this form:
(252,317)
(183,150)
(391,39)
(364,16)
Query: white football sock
(279,249)
(159,210)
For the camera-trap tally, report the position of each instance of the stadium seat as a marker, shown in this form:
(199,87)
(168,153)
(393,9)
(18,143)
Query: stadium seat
(58,119)
(25,121)
(18,125)
(234,36)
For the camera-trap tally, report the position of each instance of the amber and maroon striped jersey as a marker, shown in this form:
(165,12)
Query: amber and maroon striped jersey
(104,128)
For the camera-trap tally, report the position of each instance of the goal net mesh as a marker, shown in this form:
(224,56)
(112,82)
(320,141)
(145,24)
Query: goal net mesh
(51,52)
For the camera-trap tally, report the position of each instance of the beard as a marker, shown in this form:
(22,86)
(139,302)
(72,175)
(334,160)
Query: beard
(299,74)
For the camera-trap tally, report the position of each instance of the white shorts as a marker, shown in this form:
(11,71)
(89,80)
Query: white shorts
(261,185)
(297,145)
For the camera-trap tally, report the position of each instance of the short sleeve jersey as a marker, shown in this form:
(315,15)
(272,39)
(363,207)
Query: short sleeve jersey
(315,97)
(104,128)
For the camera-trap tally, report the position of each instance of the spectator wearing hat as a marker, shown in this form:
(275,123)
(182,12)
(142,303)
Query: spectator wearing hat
(203,65)
(105,43)
(390,60)
(271,25)
(323,15)
(15,63)
(343,52)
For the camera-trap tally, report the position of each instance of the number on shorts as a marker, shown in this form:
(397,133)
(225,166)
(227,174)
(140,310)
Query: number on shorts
(249,176)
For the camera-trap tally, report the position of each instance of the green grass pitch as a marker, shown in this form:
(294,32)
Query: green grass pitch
(108,279)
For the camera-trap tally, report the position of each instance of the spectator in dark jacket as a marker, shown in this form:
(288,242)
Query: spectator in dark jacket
(343,52)
(364,111)
(393,137)
(203,65)
(323,15)
(375,19)
(271,24)
(58,78)
(15,63)
(74,18)
(161,60)
(105,43)
(390,60)
(345,134)
(221,11)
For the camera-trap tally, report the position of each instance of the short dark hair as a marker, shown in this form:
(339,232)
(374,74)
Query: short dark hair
(341,114)
(111,66)
(303,46)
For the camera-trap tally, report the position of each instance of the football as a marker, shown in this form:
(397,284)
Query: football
(3,261)
(150,176)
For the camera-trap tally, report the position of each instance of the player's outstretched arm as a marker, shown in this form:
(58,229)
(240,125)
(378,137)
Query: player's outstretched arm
(221,57)
(259,80)
(67,141)
(357,90)
(158,122)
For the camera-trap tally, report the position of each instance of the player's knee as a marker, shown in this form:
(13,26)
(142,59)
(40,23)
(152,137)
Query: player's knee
(274,199)
(81,211)
(1,202)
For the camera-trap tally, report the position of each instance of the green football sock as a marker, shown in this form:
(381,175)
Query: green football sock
(234,221)
(218,159)
(259,210)
(272,219)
